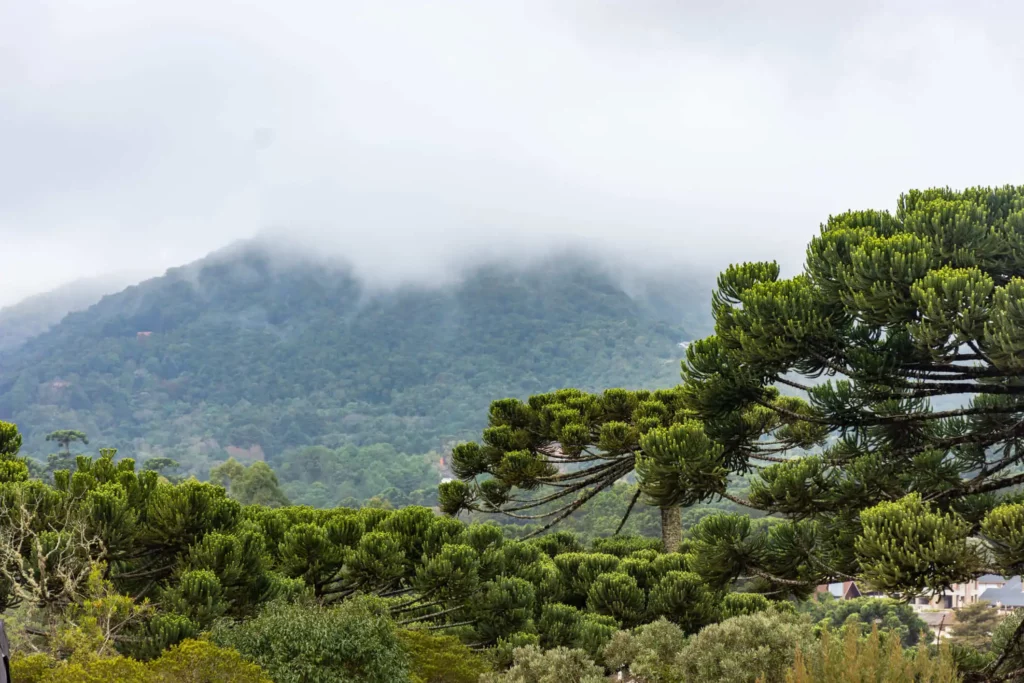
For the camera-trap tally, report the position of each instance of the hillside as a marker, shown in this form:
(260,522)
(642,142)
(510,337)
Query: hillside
(249,355)
(36,314)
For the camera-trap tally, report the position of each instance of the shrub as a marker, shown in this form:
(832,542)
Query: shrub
(200,661)
(746,648)
(297,643)
(440,659)
(648,651)
(888,614)
(192,661)
(560,665)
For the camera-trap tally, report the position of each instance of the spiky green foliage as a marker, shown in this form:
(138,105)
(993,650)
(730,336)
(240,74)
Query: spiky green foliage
(544,458)
(199,557)
(894,312)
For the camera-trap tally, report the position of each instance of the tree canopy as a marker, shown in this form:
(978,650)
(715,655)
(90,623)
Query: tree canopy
(892,313)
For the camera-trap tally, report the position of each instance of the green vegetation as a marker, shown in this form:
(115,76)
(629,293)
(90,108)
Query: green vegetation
(875,659)
(251,354)
(885,614)
(974,626)
(856,473)
(300,643)
(36,314)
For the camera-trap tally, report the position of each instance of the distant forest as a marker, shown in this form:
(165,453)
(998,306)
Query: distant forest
(296,363)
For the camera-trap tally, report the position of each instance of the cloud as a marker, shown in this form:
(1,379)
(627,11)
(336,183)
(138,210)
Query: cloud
(415,137)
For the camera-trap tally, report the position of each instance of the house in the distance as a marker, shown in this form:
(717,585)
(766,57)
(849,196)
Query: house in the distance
(1007,597)
(844,590)
(960,594)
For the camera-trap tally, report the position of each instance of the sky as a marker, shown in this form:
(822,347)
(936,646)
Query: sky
(414,138)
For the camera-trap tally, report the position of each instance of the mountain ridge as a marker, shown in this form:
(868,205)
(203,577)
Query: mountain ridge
(242,349)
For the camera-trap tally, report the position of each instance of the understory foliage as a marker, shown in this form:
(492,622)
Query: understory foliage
(886,614)
(191,661)
(879,658)
(305,643)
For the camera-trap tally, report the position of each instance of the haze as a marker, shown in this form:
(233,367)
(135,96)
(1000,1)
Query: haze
(414,137)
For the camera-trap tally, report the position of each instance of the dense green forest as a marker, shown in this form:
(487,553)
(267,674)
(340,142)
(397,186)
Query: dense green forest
(254,355)
(745,500)
(32,316)
(110,573)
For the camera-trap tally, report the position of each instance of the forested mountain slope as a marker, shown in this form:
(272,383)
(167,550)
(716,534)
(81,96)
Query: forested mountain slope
(253,355)
(32,316)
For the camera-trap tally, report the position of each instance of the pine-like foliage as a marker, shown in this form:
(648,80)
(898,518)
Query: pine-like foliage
(893,312)
(899,351)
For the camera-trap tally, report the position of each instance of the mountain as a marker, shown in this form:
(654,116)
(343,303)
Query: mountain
(254,354)
(36,314)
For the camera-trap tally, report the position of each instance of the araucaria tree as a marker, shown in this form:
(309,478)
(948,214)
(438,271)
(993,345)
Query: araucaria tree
(543,459)
(904,337)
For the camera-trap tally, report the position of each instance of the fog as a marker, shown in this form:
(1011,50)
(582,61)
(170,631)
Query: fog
(413,138)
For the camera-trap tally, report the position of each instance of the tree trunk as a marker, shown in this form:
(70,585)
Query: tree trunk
(671,528)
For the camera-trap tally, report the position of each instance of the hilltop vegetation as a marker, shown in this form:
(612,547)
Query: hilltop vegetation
(32,316)
(249,354)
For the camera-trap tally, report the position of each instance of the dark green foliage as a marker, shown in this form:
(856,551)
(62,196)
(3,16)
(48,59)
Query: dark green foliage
(255,484)
(618,596)
(13,468)
(311,644)
(682,598)
(885,613)
(248,349)
(201,556)
(895,449)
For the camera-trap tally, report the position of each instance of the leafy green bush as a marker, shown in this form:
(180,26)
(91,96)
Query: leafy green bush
(648,652)
(192,661)
(440,659)
(746,648)
(560,665)
(306,643)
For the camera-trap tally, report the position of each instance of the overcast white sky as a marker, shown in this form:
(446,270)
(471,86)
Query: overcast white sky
(411,135)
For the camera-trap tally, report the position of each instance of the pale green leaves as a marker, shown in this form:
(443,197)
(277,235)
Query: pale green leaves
(908,547)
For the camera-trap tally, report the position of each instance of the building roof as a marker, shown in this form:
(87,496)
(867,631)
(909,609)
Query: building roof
(1010,595)
(992,578)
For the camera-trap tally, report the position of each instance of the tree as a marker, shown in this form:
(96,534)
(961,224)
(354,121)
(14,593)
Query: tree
(974,625)
(902,346)
(878,658)
(571,446)
(193,661)
(255,484)
(648,652)
(885,613)
(12,467)
(65,437)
